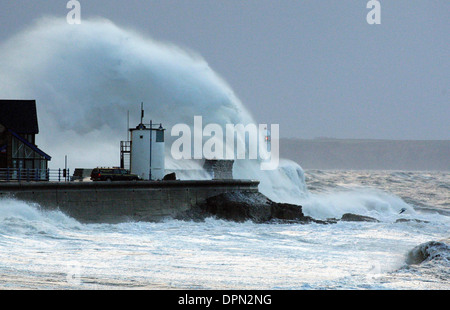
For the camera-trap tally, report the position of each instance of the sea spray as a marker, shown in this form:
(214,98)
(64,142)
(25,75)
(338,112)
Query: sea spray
(363,201)
(429,251)
(23,218)
(86,78)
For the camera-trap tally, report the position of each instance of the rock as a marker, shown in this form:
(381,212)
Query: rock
(244,206)
(285,211)
(239,207)
(350,217)
(247,206)
(170,177)
(410,220)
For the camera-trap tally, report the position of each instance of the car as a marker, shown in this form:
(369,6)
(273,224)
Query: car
(113,174)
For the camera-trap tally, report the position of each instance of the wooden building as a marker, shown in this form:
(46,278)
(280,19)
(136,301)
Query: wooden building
(18,130)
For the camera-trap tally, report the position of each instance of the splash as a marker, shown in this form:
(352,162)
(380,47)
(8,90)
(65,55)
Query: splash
(86,78)
(430,251)
(22,218)
(363,201)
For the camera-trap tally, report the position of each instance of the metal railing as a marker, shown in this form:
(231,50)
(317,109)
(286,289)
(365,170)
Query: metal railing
(34,175)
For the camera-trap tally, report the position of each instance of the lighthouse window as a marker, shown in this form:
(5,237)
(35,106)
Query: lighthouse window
(141,137)
(160,136)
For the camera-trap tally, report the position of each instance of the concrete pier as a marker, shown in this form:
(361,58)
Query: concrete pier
(114,202)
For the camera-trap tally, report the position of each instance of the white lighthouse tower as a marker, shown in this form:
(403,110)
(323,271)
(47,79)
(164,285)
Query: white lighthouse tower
(147,150)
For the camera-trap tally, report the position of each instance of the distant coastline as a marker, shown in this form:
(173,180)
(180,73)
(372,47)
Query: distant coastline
(359,154)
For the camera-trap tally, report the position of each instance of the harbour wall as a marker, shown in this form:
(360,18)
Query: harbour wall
(114,202)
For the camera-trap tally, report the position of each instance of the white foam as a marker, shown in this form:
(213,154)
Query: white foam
(362,201)
(24,217)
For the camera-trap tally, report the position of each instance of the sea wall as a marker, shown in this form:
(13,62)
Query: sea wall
(113,202)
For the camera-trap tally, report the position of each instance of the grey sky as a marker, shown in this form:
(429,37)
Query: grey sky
(314,67)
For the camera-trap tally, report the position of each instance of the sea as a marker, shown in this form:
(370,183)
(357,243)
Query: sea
(90,78)
(407,248)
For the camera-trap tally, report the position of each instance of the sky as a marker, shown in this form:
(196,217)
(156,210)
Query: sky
(316,68)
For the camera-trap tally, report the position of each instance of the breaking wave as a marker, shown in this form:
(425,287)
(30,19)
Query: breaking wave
(86,78)
(363,201)
(436,251)
(22,218)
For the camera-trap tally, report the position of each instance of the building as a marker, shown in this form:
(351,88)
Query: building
(148,151)
(18,130)
(144,155)
(219,169)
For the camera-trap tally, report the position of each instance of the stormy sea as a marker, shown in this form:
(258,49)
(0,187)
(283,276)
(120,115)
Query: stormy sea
(87,79)
(408,248)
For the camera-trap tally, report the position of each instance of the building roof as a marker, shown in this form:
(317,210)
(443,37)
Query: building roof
(19,116)
(31,146)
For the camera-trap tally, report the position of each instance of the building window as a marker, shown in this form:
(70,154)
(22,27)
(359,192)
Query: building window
(160,136)
(24,157)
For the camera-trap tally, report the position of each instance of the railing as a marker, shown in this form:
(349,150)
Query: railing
(34,175)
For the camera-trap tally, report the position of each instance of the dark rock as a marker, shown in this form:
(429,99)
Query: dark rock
(247,206)
(285,211)
(239,207)
(244,206)
(170,177)
(350,217)
(410,220)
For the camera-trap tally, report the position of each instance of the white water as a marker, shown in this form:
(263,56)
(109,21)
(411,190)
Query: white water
(50,250)
(86,78)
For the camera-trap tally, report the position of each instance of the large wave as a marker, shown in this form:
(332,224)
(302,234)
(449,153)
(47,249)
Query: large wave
(22,218)
(430,251)
(86,78)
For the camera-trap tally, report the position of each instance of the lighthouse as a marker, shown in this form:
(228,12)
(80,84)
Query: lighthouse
(147,158)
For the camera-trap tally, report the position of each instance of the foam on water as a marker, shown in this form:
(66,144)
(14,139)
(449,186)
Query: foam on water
(19,217)
(368,202)
(46,249)
(430,251)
